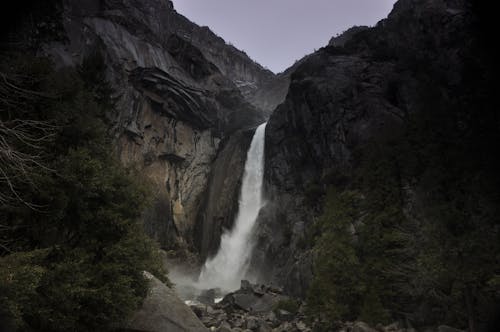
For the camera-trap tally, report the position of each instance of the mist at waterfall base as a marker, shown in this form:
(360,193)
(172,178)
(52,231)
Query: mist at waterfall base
(230,265)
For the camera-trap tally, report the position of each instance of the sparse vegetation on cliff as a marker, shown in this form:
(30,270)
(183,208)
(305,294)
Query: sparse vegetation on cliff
(413,235)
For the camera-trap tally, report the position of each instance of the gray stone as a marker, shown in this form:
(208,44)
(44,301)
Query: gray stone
(224,327)
(237,322)
(252,303)
(284,315)
(285,327)
(264,327)
(208,296)
(445,328)
(252,323)
(362,327)
(392,327)
(271,316)
(163,311)
(301,326)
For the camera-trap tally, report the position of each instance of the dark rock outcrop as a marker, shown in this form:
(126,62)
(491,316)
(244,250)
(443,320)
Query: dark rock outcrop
(358,88)
(220,204)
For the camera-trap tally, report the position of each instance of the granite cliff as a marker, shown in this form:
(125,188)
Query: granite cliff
(394,117)
(181,95)
(362,87)
(406,92)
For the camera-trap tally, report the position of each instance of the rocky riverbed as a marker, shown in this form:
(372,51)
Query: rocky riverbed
(251,308)
(263,308)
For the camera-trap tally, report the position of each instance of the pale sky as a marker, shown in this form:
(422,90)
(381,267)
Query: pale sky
(275,33)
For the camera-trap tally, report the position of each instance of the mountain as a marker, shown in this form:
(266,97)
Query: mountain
(381,169)
(181,93)
(383,131)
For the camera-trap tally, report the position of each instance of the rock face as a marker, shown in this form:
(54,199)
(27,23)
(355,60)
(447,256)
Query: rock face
(357,88)
(163,311)
(180,91)
(220,204)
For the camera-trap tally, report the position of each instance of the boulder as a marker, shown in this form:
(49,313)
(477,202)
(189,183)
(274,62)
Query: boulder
(252,323)
(362,327)
(445,328)
(264,327)
(254,303)
(208,296)
(163,311)
(392,327)
(224,327)
(284,315)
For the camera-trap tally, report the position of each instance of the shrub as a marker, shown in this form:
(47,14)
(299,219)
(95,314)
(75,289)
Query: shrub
(290,305)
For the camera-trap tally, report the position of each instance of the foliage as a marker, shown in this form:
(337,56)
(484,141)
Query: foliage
(413,235)
(290,305)
(73,258)
(337,287)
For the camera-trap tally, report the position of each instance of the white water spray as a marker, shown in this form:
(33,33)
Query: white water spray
(226,269)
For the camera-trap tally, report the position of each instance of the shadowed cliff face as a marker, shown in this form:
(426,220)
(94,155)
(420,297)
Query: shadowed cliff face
(360,88)
(180,91)
(220,204)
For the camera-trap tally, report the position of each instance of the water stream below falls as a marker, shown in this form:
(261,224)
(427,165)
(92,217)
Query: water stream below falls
(229,266)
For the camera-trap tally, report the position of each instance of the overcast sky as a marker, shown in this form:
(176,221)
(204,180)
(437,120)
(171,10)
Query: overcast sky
(275,33)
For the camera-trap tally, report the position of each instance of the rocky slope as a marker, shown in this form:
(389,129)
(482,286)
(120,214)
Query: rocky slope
(261,308)
(359,88)
(180,92)
(162,311)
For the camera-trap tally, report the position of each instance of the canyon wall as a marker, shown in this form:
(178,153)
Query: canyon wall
(361,88)
(181,93)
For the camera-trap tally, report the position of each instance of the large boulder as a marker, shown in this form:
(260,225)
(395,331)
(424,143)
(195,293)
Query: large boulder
(163,311)
(254,298)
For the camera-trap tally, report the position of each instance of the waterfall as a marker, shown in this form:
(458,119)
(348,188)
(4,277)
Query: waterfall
(226,269)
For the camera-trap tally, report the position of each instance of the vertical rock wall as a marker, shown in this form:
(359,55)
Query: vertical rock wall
(178,94)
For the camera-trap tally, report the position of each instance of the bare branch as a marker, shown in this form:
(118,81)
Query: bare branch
(22,142)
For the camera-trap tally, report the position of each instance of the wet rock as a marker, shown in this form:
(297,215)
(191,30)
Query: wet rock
(208,296)
(219,208)
(245,286)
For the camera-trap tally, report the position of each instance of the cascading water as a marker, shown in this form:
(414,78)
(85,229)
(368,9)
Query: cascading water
(226,269)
